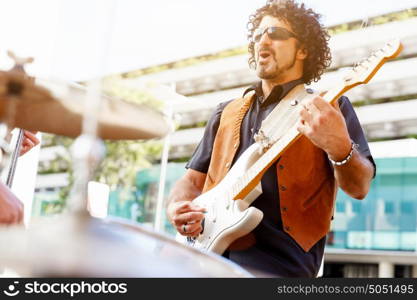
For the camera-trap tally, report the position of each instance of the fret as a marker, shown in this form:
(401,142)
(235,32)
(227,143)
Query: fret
(334,93)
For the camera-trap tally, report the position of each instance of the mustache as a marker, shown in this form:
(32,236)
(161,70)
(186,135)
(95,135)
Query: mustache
(264,48)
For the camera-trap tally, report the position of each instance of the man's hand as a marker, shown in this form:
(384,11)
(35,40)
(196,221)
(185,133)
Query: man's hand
(11,209)
(325,126)
(186,217)
(29,141)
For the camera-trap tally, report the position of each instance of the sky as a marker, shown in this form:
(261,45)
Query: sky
(77,40)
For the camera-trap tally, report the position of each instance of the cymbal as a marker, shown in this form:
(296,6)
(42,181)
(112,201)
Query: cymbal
(70,247)
(57,107)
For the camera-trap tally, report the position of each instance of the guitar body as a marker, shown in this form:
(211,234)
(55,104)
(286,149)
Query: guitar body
(226,219)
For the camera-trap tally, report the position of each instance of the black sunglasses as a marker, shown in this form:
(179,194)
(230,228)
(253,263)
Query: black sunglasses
(274,33)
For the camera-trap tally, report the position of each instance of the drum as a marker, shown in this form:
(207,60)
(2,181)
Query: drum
(87,247)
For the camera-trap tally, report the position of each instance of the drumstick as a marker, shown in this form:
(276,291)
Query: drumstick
(13,160)
(19,67)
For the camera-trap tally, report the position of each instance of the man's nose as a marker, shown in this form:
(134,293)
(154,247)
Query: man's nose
(265,39)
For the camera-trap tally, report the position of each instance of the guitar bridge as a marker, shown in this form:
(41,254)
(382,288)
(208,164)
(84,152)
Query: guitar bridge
(190,240)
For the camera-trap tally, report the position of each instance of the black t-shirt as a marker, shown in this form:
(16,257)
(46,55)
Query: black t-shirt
(275,252)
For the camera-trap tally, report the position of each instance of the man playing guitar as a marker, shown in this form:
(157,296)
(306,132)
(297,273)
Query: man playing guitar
(288,47)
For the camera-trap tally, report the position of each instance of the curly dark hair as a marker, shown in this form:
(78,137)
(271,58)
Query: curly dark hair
(305,24)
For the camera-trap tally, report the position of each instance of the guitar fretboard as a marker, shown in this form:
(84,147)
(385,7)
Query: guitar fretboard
(254,174)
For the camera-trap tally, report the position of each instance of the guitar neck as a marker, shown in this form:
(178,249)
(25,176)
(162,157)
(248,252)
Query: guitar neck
(254,174)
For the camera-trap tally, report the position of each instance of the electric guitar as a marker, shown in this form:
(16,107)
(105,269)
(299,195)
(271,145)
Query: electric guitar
(229,215)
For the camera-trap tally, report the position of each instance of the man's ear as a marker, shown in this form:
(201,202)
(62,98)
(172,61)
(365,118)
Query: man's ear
(302,53)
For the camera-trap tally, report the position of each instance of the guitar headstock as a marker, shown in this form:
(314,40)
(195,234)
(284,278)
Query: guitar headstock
(366,69)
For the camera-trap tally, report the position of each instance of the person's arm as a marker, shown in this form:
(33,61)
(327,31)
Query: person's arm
(325,126)
(355,176)
(181,212)
(11,208)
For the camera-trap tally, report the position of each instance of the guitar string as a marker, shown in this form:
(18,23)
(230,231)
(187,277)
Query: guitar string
(288,120)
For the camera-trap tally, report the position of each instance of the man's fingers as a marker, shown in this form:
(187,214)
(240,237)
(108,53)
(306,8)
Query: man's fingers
(191,230)
(25,148)
(303,127)
(188,217)
(320,103)
(27,144)
(5,218)
(336,106)
(16,217)
(312,109)
(196,232)
(11,218)
(31,136)
(20,214)
(305,115)
(188,206)
(30,140)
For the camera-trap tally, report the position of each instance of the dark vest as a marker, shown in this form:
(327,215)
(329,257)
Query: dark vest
(307,187)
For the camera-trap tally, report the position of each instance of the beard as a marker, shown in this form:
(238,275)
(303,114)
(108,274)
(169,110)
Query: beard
(273,70)
(264,73)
